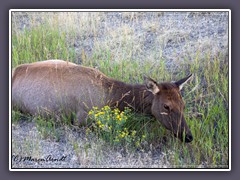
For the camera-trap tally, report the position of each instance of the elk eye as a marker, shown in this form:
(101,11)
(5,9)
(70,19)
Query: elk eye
(166,107)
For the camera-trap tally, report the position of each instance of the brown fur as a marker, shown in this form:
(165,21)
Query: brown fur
(57,87)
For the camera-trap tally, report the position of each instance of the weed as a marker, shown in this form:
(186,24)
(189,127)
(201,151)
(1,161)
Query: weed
(48,128)
(110,125)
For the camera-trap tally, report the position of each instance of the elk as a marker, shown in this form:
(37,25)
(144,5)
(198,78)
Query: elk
(59,87)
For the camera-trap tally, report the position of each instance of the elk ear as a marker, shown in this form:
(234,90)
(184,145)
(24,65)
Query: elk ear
(151,85)
(183,81)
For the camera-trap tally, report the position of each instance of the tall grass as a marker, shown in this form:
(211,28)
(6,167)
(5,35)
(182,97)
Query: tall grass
(206,96)
(39,44)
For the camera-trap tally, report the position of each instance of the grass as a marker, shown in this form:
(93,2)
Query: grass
(206,96)
(29,41)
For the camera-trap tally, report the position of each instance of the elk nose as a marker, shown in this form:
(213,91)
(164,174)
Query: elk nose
(188,138)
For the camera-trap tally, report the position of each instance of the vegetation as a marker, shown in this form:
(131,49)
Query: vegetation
(206,96)
(111,125)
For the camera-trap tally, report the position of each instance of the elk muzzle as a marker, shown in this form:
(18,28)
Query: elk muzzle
(181,130)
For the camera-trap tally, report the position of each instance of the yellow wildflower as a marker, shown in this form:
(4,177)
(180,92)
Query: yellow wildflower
(137,143)
(119,117)
(116,111)
(106,108)
(133,133)
(90,112)
(96,115)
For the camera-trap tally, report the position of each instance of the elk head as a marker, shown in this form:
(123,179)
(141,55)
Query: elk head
(168,106)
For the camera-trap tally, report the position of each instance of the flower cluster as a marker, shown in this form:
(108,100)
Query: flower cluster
(110,124)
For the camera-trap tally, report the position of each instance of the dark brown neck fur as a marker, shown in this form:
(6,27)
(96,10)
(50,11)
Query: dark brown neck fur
(135,97)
